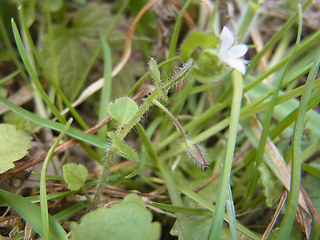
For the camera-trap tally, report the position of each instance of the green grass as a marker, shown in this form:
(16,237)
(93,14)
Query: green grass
(258,133)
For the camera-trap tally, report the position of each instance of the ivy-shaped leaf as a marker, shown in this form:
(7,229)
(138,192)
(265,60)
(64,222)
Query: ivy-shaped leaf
(75,175)
(126,220)
(122,110)
(125,150)
(14,145)
(75,45)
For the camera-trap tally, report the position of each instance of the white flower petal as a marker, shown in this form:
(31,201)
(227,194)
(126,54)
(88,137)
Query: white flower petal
(238,64)
(238,51)
(226,39)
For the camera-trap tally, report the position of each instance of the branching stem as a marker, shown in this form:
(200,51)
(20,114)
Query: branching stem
(122,133)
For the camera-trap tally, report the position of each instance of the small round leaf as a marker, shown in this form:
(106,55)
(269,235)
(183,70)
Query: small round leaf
(122,110)
(75,175)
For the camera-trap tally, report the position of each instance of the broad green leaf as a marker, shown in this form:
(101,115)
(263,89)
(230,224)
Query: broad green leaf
(125,150)
(14,145)
(311,184)
(30,11)
(197,40)
(122,110)
(31,213)
(126,220)
(56,5)
(200,226)
(14,119)
(75,46)
(80,1)
(75,175)
(272,187)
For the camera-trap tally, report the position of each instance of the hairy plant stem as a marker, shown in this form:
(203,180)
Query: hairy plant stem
(122,132)
(104,175)
(175,121)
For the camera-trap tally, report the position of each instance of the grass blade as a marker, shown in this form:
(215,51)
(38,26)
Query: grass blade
(107,84)
(199,199)
(276,37)
(231,214)
(226,171)
(170,184)
(175,35)
(43,188)
(288,220)
(31,213)
(46,73)
(82,136)
(9,77)
(33,74)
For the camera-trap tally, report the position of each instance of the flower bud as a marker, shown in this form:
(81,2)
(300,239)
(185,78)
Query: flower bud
(197,153)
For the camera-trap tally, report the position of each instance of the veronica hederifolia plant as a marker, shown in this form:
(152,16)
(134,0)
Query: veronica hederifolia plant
(127,113)
(216,54)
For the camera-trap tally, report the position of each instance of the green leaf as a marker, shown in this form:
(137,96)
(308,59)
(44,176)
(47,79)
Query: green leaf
(272,188)
(17,120)
(75,175)
(80,1)
(43,181)
(197,40)
(73,132)
(14,145)
(122,110)
(75,46)
(125,150)
(31,213)
(56,5)
(155,73)
(126,220)
(311,184)
(30,11)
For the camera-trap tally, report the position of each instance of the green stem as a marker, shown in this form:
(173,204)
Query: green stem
(175,121)
(105,174)
(226,171)
(122,133)
(146,75)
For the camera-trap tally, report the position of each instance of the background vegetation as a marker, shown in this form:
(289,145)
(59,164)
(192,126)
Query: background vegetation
(129,122)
